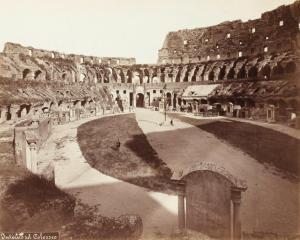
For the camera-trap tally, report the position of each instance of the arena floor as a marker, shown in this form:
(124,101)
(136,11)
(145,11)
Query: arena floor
(179,146)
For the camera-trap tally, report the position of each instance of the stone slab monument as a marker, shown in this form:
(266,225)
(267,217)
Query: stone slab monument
(210,201)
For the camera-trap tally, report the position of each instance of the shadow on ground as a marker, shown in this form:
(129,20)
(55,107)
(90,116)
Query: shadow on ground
(116,146)
(263,144)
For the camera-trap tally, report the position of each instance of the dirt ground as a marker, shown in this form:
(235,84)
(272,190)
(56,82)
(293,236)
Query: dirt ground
(271,203)
(125,152)
(113,197)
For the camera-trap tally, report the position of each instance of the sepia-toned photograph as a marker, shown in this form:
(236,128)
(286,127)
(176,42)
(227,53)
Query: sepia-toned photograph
(150,120)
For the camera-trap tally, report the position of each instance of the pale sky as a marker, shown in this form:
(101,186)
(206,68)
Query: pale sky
(115,28)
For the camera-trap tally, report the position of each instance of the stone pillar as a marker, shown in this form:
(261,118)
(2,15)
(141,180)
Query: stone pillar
(181,212)
(33,156)
(13,111)
(3,113)
(237,226)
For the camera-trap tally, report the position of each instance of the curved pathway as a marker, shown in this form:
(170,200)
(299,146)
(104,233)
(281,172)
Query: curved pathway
(113,197)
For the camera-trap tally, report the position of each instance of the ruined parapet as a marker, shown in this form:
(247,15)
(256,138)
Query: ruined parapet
(29,136)
(13,49)
(276,31)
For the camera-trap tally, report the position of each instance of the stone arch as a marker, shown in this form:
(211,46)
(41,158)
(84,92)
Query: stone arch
(147,74)
(231,73)
(211,75)
(122,75)
(169,98)
(162,74)
(114,75)
(82,77)
(24,110)
(177,78)
(64,76)
(37,74)
(185,74)
(222,73)
(277,70)
(252,72)
(194,77)
(290,67)
(265,71)
(26,74)
(212,167)
(140,102)
(108,75)
(136,77)
(241,73)
(8,114)
(129,76)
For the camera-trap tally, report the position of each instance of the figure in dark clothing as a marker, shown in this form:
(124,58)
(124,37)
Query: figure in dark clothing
(171,122)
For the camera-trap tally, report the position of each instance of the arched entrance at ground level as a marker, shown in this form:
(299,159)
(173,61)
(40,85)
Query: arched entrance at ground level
(169,99)
(140,100)
(174,100)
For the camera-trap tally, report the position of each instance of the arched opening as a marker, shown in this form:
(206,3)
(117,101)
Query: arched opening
(26,73)
(45,110)
(82,77)
(37,74)
(203,101)
(129,76)
(64,76)
(242,73)
(8,114)
(140,100)
(231,74)
(252,73)
(177,79)
(174,100)
(290,67)
(146,74)
(265,71)
(277,70)
(222,73)
(186,75)
(195,74)
(211,75)
(114,75)
(24,110)
(122,75)
(169,98)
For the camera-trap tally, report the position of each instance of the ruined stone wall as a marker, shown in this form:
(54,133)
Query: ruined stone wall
(276,31)
(16,49)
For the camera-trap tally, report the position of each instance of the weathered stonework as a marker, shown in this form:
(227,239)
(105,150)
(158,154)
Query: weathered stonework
(276,31)
(260,84)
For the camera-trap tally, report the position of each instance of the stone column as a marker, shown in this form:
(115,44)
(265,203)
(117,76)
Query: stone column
(3,113)
(181,212)
(237,226)
(33,156)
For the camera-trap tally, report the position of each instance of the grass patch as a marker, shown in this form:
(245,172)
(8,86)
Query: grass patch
(263,144)
(134,161)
